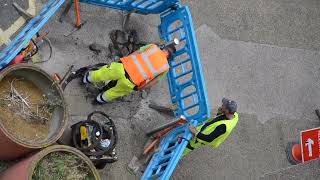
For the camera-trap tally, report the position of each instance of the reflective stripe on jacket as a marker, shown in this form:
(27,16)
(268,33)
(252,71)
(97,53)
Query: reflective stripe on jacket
(145,66)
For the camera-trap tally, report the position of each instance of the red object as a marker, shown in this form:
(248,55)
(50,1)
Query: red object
(13,147)
(296,153)
(56,77)
(78,21)
(160,134)
(18,59)
(309,141)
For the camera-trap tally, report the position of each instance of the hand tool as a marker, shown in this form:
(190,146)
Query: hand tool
(65,11)
(77,28)
(161,132)
(66,74)
(163,109)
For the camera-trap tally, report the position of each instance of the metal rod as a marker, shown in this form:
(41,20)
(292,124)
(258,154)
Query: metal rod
(157,129)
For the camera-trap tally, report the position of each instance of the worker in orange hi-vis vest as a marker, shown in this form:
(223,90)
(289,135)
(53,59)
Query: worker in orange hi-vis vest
(133,72)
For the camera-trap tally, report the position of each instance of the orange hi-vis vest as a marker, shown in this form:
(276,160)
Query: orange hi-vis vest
(145,66)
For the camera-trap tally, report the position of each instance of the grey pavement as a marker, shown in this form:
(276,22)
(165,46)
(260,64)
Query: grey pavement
(308,171)
(265,80)
(274,78)
(264,54)
(7,8)
(11,21)
(287,23)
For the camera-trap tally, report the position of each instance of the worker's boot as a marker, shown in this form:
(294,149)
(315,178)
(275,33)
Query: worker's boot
(86,78)
(99,100)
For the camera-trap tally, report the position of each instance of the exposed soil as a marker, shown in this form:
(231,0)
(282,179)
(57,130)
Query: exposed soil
(32,125)
(62,165)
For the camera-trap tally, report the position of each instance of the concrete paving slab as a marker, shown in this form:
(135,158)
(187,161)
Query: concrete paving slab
(265,80)
(13,22)
(8,11)
(308,171)
(275,105)
(252,150)
(284,23)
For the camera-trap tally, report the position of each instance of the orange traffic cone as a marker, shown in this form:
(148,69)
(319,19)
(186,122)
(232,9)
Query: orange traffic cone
(294,154)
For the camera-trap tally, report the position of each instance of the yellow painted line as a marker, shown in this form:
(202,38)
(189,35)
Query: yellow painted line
(4,39)
(32,7)
(15,26)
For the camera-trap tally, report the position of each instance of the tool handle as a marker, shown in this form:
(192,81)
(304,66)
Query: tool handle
(160,128)
(78,21)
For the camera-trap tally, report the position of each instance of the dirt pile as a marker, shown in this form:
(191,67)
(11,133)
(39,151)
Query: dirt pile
(25,111)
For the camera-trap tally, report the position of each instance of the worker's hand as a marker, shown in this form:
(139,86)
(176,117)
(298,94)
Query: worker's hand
(193,130)
(214,111)
(219,110)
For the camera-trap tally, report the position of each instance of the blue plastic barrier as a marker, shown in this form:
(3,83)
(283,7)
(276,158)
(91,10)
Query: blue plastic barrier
(185,78)
(136,6)
(28,32)
(166,159)
(187,89)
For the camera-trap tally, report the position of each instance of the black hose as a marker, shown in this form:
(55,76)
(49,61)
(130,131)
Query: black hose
(80,73)
(37,48)
(96,143)
(114,136)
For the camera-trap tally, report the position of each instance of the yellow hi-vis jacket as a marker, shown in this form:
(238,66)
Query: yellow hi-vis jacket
(230,124)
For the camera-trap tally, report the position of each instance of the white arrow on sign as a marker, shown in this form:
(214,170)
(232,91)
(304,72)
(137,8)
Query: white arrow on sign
(309,143)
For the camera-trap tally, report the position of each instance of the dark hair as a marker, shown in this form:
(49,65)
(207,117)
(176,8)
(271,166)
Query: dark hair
(230,105)
(171,49)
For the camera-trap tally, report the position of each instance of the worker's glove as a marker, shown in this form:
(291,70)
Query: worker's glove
(193,130)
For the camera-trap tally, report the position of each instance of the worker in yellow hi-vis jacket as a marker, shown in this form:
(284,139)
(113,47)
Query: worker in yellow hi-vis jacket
(216,130)
(133,72)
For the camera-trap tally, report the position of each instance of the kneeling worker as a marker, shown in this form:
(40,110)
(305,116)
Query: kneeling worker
(132,72)
(216,130)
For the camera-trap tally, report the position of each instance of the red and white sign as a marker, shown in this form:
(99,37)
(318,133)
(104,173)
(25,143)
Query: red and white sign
(310,144)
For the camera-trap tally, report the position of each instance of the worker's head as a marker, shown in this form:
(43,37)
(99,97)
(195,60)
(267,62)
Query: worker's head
(229,107)
(169,50)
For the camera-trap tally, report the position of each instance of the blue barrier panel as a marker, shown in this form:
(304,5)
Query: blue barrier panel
(137,6)
(28,32)
(164,161)
(187,89)
(185,78)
